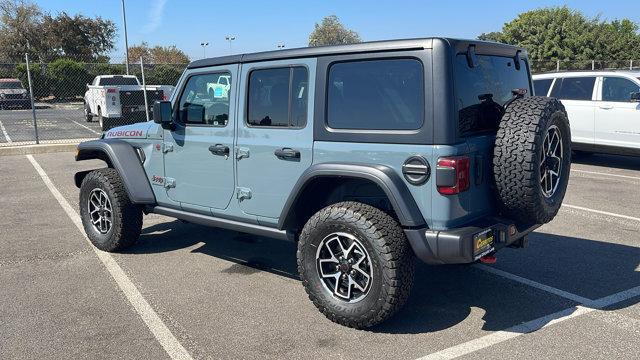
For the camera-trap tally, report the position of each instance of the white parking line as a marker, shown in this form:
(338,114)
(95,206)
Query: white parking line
(160,331)
(605,174)
(626,217)
(530,326)
(4,132)
(534,284)
(86,127)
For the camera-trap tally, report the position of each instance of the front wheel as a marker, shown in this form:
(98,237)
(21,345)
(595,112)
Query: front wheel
(111,221)
(355,263)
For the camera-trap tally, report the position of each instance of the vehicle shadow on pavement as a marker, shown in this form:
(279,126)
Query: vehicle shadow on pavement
(443,296)
(605,160)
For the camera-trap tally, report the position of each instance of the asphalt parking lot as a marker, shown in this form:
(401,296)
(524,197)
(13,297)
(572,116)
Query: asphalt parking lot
(186,291)
(56,123)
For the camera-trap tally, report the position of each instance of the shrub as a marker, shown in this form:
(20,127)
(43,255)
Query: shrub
(107,69)
(68,78)
(164,75)
(39,80)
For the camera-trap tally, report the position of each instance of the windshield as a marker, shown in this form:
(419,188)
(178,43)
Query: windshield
(10,85)
(482,91)
(118,80)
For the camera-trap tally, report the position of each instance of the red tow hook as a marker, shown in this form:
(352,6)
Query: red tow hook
(489,259)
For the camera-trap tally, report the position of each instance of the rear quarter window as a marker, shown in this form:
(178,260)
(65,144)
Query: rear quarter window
(376,95)
(482,91)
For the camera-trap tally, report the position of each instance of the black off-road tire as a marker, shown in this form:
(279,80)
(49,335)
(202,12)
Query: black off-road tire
(87,113)
(517,160)
(392,263)
(102,121)
(126,217)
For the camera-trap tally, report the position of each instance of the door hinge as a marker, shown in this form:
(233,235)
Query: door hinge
(243,193)
(167,147)
(241,153)
(169,183)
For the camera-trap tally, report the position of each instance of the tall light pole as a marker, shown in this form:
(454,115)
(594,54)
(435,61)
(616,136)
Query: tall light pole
(204,49)
(280,46)
(126,41)
(230,38)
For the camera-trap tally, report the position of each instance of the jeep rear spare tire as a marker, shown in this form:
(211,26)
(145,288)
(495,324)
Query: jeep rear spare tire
(532,158)
(355,263)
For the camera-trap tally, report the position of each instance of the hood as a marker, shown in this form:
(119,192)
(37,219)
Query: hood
(133,131)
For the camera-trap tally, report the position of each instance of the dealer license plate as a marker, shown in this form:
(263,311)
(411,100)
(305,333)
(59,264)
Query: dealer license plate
(483,241)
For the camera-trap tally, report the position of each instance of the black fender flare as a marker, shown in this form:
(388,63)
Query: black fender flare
(122,156)
(384,176)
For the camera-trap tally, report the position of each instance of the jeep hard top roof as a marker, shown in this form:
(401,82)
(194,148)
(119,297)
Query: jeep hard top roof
(461,45)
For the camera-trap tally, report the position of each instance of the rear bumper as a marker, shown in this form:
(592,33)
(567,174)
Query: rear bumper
(456,246)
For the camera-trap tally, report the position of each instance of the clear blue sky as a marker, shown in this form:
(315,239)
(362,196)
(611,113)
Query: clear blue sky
(261,25)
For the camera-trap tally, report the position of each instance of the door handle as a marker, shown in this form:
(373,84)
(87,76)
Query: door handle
(606,107)
(287,153)
(219,149)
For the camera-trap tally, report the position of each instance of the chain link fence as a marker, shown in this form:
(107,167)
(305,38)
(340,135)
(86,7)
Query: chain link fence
(542,66)
(45,102)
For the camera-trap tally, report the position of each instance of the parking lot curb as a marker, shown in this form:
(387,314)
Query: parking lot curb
(37,149)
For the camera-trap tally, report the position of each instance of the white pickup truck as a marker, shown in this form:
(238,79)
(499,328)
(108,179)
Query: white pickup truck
(119,100)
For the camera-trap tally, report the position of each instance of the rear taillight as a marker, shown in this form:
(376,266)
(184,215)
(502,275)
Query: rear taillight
(452,174)
(112,90)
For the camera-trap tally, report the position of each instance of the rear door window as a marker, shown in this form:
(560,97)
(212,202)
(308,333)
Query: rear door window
(574,88)
(482,91)
(278,97)
(542,86)
(376,95)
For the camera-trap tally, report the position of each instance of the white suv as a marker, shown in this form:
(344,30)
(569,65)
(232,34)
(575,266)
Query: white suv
(603,108)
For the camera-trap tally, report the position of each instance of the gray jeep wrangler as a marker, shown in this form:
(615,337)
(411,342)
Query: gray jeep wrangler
(367,155)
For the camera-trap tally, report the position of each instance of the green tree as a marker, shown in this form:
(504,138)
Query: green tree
(330,31)
(39,79)
(67,78)
(559,33)
(78,36)
(157,54)
(20,30)
(24,27)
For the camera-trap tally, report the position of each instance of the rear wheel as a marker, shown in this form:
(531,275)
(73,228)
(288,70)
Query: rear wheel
(87,113)
(111,221)
(101,120)
(355,263)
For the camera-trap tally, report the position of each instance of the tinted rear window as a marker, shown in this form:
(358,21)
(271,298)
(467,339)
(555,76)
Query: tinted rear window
(542,86)
(376,95)
(573,88)
(482,91)
(114,81)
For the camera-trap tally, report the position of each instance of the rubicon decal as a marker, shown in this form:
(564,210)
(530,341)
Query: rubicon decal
(125,133)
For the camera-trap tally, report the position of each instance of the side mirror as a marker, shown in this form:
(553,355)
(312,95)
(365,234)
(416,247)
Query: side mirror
(162,113)
(635,96)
